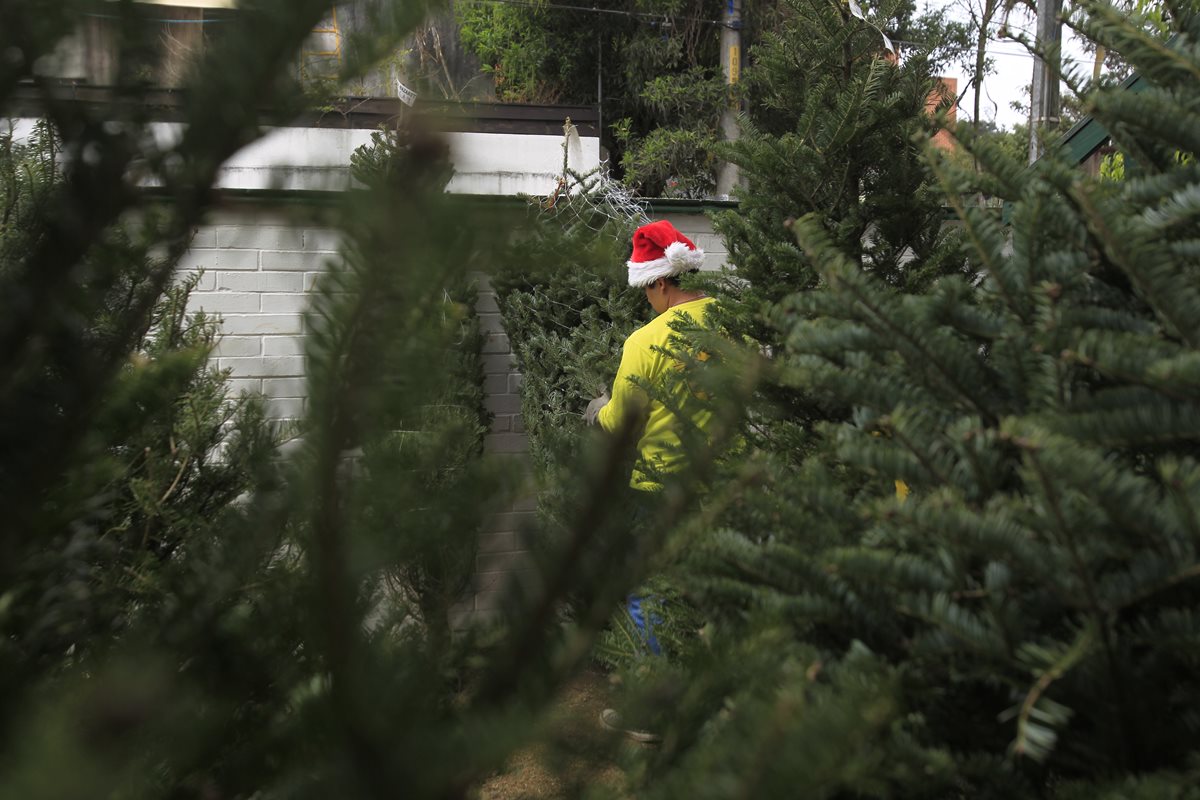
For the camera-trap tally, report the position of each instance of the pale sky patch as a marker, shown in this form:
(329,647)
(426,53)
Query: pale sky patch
(1012,72)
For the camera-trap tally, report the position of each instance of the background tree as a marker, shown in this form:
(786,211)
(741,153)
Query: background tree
(1150,15)
(836,129)
(653,67)
(982,15)
(659,66)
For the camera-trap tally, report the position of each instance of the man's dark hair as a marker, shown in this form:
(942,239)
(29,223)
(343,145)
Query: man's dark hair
(674,279)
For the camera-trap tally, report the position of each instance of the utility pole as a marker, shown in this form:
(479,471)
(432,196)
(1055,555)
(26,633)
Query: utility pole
(731,65)
(1044,98)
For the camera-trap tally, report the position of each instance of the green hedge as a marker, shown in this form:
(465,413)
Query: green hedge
(567,309)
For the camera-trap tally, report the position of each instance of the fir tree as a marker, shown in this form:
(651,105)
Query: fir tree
(214,618)
(835,127)
(166,449)
(1021,622)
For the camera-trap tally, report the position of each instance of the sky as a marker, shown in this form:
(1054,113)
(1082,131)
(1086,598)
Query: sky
(1013,66)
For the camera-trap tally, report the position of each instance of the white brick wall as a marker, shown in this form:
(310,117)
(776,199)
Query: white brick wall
(697,228)
(501,380)
(260,266)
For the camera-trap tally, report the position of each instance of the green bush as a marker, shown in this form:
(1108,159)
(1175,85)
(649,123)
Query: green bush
(166,451)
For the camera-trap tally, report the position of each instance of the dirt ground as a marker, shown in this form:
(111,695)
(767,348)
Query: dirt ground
(582,755)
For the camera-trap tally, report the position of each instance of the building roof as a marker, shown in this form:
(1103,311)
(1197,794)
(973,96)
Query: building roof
(1087,135)
(363,113)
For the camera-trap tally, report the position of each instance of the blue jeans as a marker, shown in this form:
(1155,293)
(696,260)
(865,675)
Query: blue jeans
(642,513)
(645,628)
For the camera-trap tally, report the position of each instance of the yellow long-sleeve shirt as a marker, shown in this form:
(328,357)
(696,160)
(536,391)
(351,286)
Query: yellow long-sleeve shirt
(659,445)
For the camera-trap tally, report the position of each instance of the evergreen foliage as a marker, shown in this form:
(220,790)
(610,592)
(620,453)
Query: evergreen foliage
(1021,624)
(435,446)
(861,115)
(1024,612)
(567,311)
(837,129)
(166,450)
(184,610)
(1018,621)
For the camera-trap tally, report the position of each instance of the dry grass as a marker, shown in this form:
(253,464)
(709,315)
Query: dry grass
(581,754)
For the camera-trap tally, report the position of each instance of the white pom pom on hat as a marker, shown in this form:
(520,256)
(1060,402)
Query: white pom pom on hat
(661,251)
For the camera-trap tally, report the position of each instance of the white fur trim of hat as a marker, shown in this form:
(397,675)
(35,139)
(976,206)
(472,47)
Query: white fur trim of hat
(661,251)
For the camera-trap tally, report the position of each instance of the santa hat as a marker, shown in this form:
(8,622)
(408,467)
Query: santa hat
(660,251)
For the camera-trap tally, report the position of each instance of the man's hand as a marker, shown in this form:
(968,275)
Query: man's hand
(593,408)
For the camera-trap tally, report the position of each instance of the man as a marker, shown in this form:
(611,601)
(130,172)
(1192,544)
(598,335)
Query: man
(660,255)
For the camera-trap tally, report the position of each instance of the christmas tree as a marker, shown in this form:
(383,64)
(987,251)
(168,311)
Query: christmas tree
(185,611)
(1020,624)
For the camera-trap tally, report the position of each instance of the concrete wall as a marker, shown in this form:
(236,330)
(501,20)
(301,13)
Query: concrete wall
(318,159)
(484,163)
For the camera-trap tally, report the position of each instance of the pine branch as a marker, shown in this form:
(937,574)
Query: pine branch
(1034,738)
(842,279)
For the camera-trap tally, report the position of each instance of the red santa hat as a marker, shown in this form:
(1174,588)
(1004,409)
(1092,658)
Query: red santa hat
(660,251)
